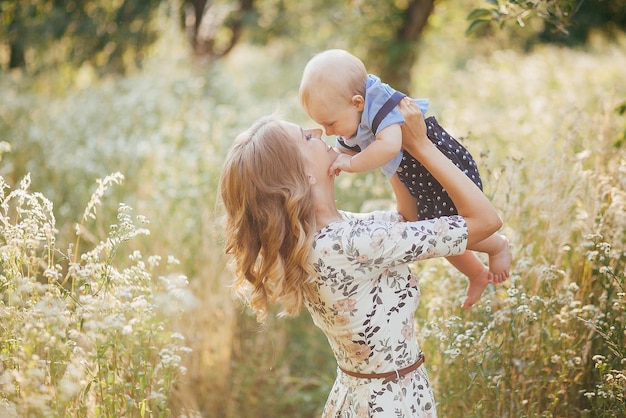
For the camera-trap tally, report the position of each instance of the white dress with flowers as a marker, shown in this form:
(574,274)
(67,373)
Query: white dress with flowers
(366,298)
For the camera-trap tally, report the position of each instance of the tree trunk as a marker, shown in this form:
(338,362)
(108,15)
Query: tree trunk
(402,51)
(203,12)
(17,58)
(191,15)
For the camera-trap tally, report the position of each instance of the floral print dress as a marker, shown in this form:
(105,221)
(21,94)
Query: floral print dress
(365,299)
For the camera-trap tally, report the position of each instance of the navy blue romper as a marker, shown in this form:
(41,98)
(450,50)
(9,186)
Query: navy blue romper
(432,199)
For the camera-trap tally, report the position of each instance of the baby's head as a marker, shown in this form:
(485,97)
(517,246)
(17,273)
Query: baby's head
(332,91)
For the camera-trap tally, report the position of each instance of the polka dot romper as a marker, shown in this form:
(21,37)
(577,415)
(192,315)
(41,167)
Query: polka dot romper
(432,199)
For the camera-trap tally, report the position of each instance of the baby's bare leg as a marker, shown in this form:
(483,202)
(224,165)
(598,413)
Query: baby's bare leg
(497,248)
(477,274)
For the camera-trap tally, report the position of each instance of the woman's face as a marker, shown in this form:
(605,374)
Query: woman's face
(316,152)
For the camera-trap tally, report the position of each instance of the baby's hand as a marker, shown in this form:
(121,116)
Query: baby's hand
(341,163)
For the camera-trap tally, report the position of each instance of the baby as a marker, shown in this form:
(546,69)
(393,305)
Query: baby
(337,92)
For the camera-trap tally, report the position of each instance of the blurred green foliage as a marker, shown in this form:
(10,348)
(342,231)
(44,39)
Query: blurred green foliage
(607,16)
(112,35)
(564,21)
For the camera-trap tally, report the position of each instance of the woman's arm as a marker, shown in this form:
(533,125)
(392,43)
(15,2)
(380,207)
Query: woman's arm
(481,217)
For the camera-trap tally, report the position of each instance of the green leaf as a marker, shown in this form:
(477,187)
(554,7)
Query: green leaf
(480,14)
(475,26)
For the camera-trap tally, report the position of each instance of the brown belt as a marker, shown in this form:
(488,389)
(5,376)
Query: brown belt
(388,376)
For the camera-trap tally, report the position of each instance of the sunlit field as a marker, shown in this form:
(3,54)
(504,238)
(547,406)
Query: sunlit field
(114,297)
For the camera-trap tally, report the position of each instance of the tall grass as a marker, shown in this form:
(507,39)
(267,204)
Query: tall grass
(552,342)
(81,336)
(97,335)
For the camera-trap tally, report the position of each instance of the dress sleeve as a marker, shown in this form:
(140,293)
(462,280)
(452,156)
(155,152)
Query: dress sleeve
(378,244)
(378,215)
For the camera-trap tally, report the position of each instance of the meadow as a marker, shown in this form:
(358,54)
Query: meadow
(114,297)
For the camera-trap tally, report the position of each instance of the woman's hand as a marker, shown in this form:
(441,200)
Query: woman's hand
(414,128)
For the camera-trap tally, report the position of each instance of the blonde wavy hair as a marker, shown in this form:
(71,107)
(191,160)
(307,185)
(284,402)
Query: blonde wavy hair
(269,218)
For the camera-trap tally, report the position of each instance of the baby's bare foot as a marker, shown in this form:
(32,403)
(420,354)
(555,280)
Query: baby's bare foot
(500,263)
(475,288)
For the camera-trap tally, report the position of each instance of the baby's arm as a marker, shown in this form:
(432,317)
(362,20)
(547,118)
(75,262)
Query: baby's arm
(387,145)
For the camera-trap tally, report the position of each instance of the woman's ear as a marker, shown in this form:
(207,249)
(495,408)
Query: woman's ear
(358,102)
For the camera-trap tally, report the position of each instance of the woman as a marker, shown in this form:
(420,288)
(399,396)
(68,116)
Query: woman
(293,246)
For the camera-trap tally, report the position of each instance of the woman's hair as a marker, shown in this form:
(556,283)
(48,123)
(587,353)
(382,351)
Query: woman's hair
(335,72)
(269,218)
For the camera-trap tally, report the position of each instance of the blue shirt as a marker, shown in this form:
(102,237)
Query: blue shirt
(376,94)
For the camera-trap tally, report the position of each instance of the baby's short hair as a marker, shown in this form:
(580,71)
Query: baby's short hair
(334,71)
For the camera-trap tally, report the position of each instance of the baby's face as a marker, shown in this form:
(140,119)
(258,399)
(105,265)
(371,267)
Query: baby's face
(341,118)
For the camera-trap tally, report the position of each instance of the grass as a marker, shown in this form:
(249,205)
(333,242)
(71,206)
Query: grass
(82,337)
(92,327)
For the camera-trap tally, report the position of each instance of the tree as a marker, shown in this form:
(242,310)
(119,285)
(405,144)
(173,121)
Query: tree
(567,21)
(110,35)
(385,35)
(214,28)
(393,54)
